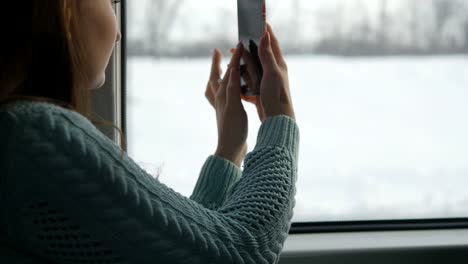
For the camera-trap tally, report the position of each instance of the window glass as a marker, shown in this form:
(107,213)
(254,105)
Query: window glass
(380,89)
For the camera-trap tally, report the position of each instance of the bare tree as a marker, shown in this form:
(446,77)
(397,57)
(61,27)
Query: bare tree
(462,13)
(296,19)
(383,24)
(160,18)
(443,10)
(331,26)
(466,35)
(361,31)
(415,23)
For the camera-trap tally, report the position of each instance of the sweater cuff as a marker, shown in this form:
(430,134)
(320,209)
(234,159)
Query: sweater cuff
(280,130)
(217,177)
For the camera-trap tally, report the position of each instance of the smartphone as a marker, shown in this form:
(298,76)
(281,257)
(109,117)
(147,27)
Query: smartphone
(252,25)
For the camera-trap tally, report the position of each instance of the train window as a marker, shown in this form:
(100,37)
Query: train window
(380,89)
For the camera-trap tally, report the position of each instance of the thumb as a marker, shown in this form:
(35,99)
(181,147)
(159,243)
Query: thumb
(267,57)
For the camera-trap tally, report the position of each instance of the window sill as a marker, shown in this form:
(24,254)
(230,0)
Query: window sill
(377,247)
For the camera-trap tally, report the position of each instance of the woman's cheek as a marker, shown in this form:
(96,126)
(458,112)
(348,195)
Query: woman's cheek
(101,27)
(110,31)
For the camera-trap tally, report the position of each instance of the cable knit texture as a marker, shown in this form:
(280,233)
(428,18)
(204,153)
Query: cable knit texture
(70,195)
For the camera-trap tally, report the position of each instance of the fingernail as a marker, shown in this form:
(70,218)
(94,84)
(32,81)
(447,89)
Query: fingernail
(240,45)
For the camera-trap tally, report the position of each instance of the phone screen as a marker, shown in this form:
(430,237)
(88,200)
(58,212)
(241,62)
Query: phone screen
(251,16)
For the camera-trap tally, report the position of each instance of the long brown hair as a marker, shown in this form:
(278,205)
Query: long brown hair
(48,65)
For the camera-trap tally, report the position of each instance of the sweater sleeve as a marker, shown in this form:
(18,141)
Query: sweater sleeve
(78,199)
(214,184)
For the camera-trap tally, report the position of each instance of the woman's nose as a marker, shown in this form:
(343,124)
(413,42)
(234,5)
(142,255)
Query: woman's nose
(119,36)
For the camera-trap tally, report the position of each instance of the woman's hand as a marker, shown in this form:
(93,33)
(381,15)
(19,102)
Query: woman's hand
(275,98)
(252,81)
(225,96)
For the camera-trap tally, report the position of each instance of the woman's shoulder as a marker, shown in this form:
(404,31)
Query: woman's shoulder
(41,115)
(47,123)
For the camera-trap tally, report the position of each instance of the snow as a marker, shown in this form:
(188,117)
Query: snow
(381,138)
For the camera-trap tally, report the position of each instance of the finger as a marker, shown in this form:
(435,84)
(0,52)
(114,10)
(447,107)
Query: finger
(276,47)
(235,60)
(221,93)
(234,90)
(225,81)
(215,73)
(210,95)
(266,54)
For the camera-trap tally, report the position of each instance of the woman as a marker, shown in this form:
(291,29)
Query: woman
(69,196)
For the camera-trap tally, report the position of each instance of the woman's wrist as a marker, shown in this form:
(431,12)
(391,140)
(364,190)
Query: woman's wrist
(229,156)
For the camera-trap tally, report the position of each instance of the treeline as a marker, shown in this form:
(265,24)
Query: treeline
(413,27)
(416,27)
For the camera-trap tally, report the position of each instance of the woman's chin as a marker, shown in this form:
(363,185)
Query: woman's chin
(99,82)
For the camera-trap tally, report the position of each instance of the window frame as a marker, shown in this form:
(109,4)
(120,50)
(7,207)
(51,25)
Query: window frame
(122,16)
(378,225)
(385,247)
(108,102)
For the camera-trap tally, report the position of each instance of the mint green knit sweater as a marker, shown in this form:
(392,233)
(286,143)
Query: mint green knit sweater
(70,195)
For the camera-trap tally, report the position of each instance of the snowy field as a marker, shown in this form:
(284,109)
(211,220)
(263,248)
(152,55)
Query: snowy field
(381,138)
